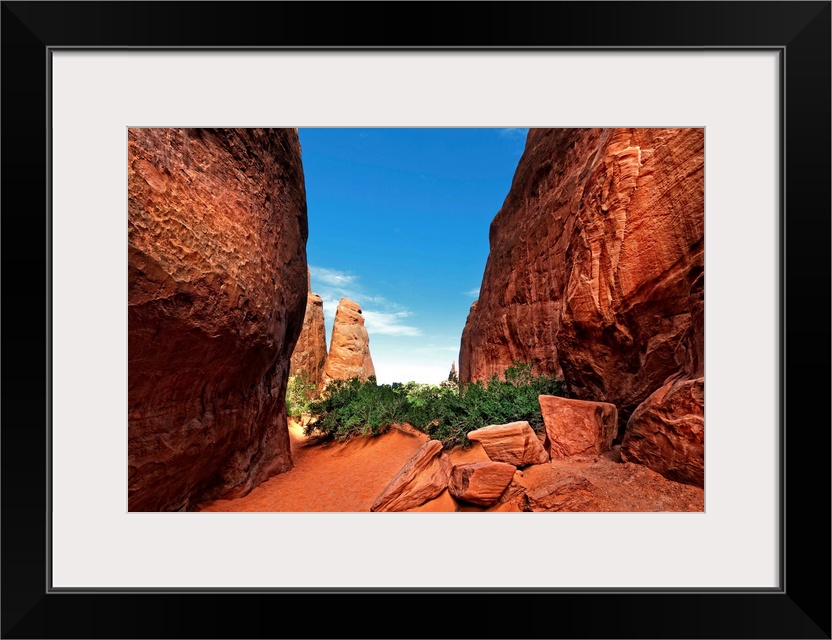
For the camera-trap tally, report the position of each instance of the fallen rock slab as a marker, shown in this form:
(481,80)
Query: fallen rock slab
(514,443)
(444,503)
(578,426)
(514,497)
(480,483)
(422,478)
(667,432)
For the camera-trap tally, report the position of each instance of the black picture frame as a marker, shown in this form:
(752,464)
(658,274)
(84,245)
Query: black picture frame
(800,608)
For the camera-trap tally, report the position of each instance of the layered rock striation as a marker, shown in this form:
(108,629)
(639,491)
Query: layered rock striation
(309,356)
(349,347)
(595,271)
(217,233)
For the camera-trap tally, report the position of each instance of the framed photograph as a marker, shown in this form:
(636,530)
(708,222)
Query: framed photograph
(754,76)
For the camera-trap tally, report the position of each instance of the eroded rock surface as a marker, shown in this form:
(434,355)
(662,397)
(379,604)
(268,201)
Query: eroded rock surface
(596,262)
(422,478)
(667,432)
(309,356)
(573,493)
(515,443)
(480,483)
(217,276)
(575,427)
(443,503)
(349,349)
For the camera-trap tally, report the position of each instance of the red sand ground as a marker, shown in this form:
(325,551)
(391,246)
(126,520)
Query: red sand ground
(348,476)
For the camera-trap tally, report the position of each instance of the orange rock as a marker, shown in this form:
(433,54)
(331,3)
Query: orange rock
(480,483)
(217,235)
(444,503)
(595,264)
(422,478)
(573,493)
(349,348)
(666,432)
(309,356)
(578,426)
(515,443)
(517,505)
(514,497)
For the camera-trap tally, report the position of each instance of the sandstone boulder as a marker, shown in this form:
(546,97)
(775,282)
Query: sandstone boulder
(514,497)
(422,478)
(595,264)
(217,271)
(578,427)
(515,443)
(349,348)
(666,432)
(444,503)
(480,483)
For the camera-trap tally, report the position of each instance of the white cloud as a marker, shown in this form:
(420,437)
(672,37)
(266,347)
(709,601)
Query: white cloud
(385,323)
(331,276)
(473,293)
(381,316)
(330,305)
(390,368)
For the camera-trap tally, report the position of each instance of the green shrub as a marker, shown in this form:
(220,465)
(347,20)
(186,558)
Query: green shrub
(298,395)
(444,412)
(496,401)
(352,407)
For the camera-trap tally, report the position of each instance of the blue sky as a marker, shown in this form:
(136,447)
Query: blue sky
(398,222)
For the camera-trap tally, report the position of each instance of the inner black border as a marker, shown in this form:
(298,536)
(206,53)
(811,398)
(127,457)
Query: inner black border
(800,31)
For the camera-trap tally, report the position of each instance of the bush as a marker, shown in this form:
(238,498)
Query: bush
(352,407)
(298,395)
(444,412)
(493,402)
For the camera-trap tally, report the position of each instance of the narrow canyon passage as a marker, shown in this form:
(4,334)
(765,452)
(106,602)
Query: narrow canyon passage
(594,279)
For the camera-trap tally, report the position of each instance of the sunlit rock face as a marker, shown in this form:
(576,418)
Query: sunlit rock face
(349,348)
(513,443)
(309,356)
(423,478)
(217,283)
(595,271)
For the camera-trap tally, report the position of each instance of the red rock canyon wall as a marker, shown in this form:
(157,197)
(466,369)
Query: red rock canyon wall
(217,286)
(596,264)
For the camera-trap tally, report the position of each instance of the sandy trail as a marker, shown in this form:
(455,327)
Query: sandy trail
(348,476)
(332,476)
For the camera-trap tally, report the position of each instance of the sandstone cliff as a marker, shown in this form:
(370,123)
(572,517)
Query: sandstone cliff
(309,356)
(349,348)
(217,235)
(595,271)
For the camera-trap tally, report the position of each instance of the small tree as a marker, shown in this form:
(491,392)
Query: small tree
(298,394)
